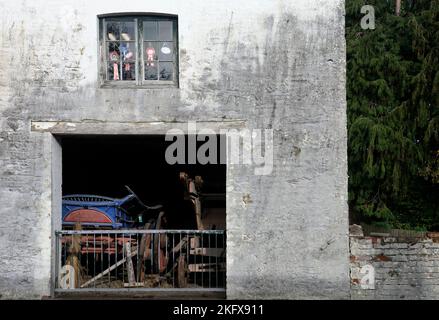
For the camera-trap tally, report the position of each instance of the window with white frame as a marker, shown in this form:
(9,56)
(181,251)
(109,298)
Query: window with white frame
(139,50)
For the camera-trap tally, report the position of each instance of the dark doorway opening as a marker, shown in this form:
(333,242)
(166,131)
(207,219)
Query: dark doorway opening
(103,164)
(165,232)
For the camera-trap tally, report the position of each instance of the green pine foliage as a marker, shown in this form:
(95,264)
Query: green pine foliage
(393,114)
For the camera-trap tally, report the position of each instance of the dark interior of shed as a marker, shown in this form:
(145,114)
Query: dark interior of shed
(102,165)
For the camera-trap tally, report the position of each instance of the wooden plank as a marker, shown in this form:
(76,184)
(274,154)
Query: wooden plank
(195,242)
(92,250)
(134,285)
(210,252)
(197,204)
(191,193)
(130,268)
(206,267)
(180,245)
(103,273)
(182,272)
(104,239)
(121,241)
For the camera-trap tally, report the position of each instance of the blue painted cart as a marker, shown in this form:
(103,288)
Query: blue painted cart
(94,211)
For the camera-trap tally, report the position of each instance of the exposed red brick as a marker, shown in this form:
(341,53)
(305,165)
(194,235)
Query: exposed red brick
(382,257)
(353,258)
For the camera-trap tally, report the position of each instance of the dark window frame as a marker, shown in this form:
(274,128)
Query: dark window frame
(140,82)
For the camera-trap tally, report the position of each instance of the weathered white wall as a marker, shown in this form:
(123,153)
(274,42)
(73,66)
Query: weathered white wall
(273,64)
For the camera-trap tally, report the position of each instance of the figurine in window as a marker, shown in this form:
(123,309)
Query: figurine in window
(114,57)
(126,53)
(150,53)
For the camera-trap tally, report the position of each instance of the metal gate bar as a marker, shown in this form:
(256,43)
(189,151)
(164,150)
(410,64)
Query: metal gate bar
(140,260)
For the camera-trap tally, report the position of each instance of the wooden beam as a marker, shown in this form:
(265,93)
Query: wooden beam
(195,242)
(180,245)
(192,188)
(103,273)
(207,267)
(134,284)
(197,204)
(177,249)
(212,252)
(130,268)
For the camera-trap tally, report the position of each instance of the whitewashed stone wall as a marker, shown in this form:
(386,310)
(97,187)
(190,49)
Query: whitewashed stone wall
(268,64)
(392,268)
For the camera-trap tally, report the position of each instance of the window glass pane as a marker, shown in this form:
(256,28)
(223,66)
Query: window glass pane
(150,30)
(165,30)
(129,71)
(151,70)
(156,50)
(113,71)
(113,30)
(128,51)
(165,70)
(165,52)
(151,50)
(113,51)
(127,31)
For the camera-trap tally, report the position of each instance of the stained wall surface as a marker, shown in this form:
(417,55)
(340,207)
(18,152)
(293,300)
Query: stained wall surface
(392,268)
(265,64)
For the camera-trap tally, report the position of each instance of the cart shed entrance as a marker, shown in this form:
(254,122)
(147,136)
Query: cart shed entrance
(132,223)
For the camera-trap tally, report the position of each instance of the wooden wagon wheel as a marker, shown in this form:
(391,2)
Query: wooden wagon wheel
(143,253)
(182,272)
(160,258)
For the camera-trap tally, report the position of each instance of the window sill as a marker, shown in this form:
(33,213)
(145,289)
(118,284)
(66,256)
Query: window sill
(133,85)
